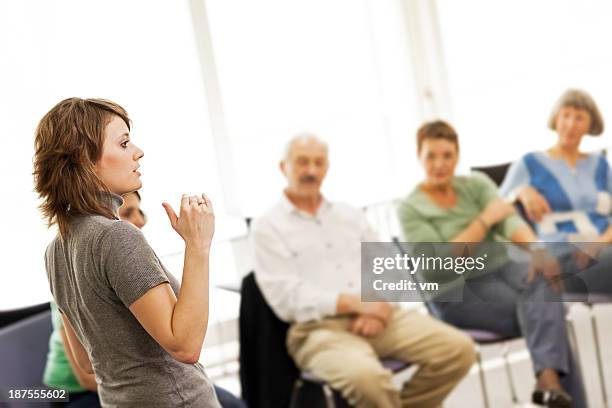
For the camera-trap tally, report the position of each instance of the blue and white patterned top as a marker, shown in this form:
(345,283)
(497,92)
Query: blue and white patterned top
(579,197)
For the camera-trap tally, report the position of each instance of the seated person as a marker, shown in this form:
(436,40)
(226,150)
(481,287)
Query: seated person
(307,252)
(449,208)
(62,371)
(566,193)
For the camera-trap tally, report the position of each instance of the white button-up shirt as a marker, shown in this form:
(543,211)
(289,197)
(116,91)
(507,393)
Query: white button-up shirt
(303,261)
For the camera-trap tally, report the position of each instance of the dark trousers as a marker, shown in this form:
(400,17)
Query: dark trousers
(503,302)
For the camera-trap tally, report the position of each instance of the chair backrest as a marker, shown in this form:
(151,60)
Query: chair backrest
(497,173)
(267,372)
(14,315)
(23,352)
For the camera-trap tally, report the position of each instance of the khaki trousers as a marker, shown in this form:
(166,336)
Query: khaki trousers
(350,363)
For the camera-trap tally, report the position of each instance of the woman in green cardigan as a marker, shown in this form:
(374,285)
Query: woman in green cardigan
(449,208)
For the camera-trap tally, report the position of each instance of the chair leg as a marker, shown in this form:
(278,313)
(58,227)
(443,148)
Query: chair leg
(602,381)
(483,384)
(571,328)
(329,396)
(295,394)
(509,374)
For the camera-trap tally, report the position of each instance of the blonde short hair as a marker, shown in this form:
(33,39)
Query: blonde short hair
(578,99)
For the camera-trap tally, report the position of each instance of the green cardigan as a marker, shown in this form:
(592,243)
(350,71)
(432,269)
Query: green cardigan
(423,220)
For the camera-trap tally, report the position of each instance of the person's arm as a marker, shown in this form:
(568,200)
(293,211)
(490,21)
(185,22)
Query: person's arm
(494,209)
(86,380)
(516,178)
(74,347)
(367,326)
(476,231)
(541,259)
(606,237)
(523,234)
(371,317)
(517,188)
(179,324)
(418,229)
(351,304)
(140,282)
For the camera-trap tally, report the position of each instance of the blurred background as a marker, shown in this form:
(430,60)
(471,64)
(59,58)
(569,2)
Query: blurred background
(215,88)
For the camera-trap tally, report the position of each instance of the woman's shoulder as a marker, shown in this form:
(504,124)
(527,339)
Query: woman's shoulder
(597,164)
(96,228)
(474,180)
(598,157)
(539,155)
(414,197)
(119,231)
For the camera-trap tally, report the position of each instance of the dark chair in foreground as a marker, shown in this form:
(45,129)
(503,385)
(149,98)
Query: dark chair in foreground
(23,355)
(267,372)
(14,315)
(497,172)
(268,375)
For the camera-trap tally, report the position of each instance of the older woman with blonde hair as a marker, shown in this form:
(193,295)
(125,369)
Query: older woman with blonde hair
(124,317)
(565,193)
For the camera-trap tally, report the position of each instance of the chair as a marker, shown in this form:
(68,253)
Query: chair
(333,399)
(594,299)
(268,375)
(483,338)
(14,315)
(497,172)
(23,353)
(267,372)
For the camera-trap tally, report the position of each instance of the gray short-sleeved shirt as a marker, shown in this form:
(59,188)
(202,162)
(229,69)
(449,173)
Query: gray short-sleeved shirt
(95,275)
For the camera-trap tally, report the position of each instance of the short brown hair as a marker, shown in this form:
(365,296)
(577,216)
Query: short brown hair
(437,129)
(67,144)
(579,99)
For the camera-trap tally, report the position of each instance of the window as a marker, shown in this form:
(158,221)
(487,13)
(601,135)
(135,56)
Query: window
(139,54)
(508,62)
(338,69)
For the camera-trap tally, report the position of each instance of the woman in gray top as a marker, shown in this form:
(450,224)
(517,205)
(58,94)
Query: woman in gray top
(124,316)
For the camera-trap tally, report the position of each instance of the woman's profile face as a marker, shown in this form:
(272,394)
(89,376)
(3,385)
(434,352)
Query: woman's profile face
(572,124)
(130,210)
(117,168)
(439,158)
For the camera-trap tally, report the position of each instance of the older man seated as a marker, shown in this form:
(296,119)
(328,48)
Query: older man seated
(307,252)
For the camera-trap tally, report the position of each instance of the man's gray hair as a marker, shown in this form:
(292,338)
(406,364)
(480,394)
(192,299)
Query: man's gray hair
(577,98)
(302,138)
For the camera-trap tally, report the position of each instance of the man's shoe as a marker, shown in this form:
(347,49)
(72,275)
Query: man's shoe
(551,398)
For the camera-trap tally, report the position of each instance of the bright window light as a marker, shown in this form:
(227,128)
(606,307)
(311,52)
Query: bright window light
(140,54)
(508,62)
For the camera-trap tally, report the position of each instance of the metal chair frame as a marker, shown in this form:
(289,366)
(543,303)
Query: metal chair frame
(597,300)
(328,393)
(479,344)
